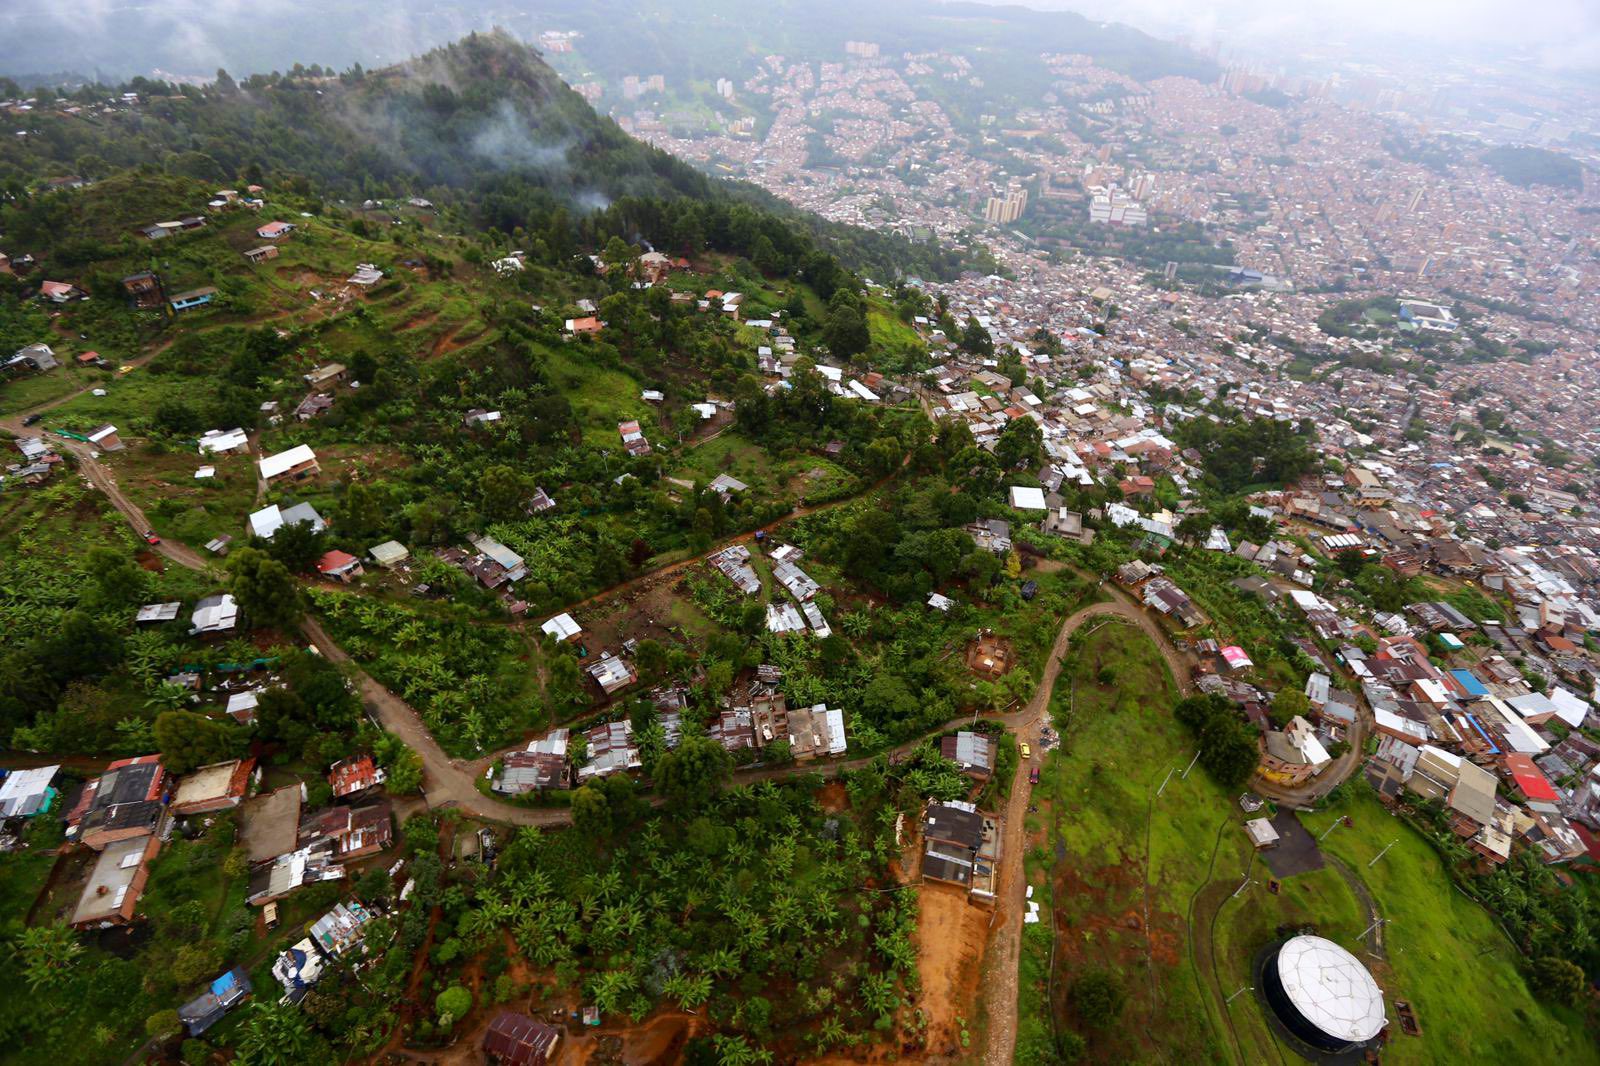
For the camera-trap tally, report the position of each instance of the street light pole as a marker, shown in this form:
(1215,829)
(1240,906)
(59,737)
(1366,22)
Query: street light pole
(1242,989)
(1164,781)
(1246,883)
(1192,761)
(1377,922)
(1384,852)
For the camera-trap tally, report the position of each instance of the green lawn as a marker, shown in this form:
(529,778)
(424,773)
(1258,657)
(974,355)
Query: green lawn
(179,506)
(27,391)
(1097,812)
(1447,957)
(600,396)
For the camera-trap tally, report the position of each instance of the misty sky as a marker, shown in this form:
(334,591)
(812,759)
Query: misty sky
(1562,34)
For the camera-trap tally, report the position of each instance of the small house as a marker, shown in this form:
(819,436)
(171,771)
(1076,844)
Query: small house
(186,301)
(340,566)
(144,290)
(515,1039)
(266,522)
(296,464)
(217,787)
(214,614)
(561,628)
(611,750)
(612,673)
(389,554)
(542,765)
(37,357)
(366,276)
(354,775)
(105,438)
(117,881)
(262,254)
(210,1006)
(274,230)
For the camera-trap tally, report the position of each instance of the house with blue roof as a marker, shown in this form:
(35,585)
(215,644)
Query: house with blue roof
(1474,689)
(209,1007)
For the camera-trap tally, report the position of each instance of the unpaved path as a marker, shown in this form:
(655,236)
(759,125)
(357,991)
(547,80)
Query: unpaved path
(999,988)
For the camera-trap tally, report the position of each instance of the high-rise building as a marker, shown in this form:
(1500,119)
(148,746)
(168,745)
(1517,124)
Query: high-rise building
(1003,210)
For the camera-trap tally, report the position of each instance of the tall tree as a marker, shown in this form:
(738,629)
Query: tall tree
(265,590)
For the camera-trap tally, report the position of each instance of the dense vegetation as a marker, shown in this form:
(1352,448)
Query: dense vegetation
(481,125)
(1535,166)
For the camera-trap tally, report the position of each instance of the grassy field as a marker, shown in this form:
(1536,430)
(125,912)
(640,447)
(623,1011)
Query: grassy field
(1446,956)
(1145,887)
(181,507)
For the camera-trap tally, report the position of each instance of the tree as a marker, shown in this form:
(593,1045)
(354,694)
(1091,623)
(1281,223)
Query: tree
(274,1034)
(1558,979)
(1227,748)
(48,953)
(188,740)
(162,1024)
(691,775)
(375,886)
(1098,999)
(403,774)
(1287,705)
(361,514)
(502,491)
(297,545)
(118,580)
(1021,443)
(591,813)
(975,340)
(452,1005)
(265,590)
(844,330)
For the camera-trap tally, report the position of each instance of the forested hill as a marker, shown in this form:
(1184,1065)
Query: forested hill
(483,124)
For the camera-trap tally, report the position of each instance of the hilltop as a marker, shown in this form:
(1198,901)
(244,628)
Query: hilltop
(483,125)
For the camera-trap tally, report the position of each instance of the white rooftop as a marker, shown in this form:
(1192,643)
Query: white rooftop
(1331,988)
(273,465)
(562,627)
(1024,498)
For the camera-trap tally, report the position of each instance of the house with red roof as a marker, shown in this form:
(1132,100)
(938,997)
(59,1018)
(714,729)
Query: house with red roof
(340,566)
(1529,781)
(354,775)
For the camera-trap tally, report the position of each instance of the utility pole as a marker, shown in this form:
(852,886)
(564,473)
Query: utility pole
(1382,853)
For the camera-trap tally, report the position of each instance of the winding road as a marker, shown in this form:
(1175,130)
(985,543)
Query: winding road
(452,783)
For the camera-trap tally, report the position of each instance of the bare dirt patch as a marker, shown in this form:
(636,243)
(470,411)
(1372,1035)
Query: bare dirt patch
(989,655)
(951,935)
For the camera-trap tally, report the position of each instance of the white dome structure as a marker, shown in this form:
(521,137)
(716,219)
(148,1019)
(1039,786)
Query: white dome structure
(1323,994)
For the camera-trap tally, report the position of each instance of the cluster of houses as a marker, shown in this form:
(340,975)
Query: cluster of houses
(802,615)
(756,717)
(128,812)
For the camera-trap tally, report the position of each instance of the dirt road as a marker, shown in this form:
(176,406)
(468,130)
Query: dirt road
(999,988)
(99,477)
